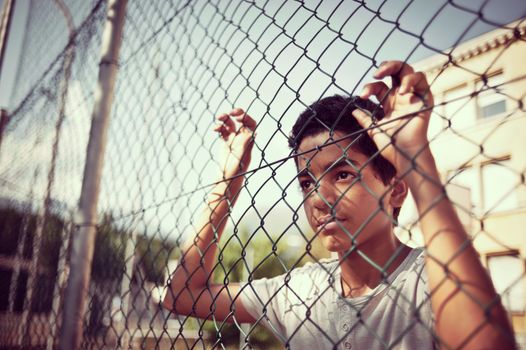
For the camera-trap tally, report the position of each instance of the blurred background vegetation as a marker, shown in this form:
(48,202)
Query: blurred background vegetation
(242,255)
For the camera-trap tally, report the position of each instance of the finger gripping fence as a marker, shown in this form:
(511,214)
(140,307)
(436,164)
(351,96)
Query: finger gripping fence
(277,174)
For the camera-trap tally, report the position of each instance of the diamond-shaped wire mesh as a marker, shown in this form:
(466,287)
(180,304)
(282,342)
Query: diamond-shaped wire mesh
(304,247)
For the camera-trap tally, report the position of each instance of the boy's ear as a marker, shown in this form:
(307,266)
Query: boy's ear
(398,193)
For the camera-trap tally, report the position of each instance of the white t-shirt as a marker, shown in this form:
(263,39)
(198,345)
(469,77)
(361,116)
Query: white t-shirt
(305,308)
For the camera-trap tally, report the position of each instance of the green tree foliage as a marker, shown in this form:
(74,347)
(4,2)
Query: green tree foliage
(110,245)
(109,259)
(153,254)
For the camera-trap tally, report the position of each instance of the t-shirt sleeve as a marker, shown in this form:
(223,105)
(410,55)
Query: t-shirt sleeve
(264,301)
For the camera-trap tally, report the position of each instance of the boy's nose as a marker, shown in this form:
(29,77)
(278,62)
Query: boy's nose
(325,197)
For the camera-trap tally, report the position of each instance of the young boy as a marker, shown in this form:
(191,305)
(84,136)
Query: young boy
(356,163)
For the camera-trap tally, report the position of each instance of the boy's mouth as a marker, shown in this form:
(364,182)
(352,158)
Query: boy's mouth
(328,221)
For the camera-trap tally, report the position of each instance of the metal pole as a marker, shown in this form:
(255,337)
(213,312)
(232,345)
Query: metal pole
(62,273)
(43,216)
(83,238)
(125,291)
(7,15)
(67,229)
(4,119)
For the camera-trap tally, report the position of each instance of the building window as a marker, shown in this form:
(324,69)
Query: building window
(490,186)
(490,100)
(508,274)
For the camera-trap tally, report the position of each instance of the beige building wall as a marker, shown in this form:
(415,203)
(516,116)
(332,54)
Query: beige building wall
(478,133)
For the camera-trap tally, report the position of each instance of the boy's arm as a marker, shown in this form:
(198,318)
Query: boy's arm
(191,291)
(468,312)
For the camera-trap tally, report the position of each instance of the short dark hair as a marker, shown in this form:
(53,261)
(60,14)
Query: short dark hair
(334,113)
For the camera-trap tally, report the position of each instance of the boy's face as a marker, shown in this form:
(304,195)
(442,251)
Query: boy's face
(343,197)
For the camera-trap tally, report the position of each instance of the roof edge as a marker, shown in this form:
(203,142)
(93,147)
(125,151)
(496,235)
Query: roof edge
(474,47)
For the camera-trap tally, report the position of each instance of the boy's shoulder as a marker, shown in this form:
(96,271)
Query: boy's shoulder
(320,266)
(314,273)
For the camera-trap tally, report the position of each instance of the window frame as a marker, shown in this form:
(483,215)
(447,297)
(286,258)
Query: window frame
(483,93)
(478,169)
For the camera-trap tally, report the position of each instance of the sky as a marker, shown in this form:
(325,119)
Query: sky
(160,146)
(443,33)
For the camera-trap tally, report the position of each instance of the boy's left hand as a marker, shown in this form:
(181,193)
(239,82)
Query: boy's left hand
(407,105)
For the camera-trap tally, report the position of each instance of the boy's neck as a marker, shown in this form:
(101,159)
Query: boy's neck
(358,276)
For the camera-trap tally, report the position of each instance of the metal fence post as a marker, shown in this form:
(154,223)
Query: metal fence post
(83,238)
(129,256)
(62,273)
(4,119)
(43,215)
(5,22)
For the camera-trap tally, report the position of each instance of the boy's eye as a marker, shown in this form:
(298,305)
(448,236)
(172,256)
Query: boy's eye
(305,184)
(343,175)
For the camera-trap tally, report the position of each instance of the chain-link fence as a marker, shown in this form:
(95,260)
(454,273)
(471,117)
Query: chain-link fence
(313,254)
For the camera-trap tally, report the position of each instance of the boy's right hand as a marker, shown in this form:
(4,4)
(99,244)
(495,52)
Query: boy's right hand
(237,129)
